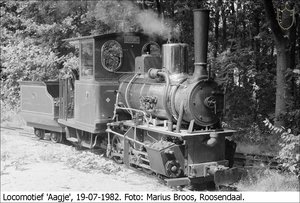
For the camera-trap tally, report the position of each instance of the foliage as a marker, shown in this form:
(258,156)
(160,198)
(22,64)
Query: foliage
(244,59)
(70,66)
(87,161)
(10,116)
(291,117)
(31,49)
(250,93)
(23,60)
(289,154)
(264,179)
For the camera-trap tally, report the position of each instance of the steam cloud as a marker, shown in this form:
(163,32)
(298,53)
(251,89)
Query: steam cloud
(151,24)
(123,15)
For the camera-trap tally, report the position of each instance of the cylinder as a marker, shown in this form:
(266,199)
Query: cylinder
(175,57)
(201,24)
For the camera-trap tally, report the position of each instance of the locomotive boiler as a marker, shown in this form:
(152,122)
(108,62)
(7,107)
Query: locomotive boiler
(141,105)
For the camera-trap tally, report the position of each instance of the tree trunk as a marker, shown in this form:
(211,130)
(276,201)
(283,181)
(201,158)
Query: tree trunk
(199,4)
(256,42)
(159,8)
(298,35)
(217,20)
(282,63)
(144,5)
(173,9)
(234,22)
(283,56)
(292,37)
(224,30)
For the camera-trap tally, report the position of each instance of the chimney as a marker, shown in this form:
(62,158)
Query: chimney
(201,24)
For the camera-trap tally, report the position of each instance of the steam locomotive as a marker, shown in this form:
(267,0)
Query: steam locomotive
(140,104)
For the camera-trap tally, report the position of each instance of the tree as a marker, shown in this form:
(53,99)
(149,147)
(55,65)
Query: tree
(283,44)
(31,44)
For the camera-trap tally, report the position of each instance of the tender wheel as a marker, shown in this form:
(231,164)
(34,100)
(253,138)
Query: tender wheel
(56,137)
(40,133)
(117,149)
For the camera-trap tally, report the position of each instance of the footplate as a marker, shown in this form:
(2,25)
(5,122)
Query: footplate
(227,176)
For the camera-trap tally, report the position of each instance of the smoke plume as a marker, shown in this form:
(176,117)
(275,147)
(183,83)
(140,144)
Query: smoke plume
(151,24)
(123,16)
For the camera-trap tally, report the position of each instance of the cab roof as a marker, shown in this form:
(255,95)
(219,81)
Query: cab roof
(110,35)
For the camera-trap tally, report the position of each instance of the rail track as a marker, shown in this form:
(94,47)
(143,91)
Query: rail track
(250,160)
(240,159)
(30,135)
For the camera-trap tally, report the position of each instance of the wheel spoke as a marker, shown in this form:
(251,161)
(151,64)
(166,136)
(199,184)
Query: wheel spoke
(40,133)
(117,148)
(56,137)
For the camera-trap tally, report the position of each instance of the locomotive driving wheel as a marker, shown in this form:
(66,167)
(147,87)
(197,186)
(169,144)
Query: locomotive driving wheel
(173,168)
(117,149)
(39,133)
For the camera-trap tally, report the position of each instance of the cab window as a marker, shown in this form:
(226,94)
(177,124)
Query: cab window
(151,48)
(111,55)
(87,58)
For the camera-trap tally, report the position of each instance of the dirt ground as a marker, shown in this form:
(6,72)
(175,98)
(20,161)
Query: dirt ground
(29,164)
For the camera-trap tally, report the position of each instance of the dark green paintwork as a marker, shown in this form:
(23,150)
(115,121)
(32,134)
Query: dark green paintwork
(38,107)
(94,102)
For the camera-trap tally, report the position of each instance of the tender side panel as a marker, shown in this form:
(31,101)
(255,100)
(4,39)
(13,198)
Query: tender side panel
(38,107)
(35,98)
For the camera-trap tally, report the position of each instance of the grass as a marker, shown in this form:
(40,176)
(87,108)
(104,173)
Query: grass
(85,161)
(4,157)
(88,161)
(81,160)
(10,117)
(264,179)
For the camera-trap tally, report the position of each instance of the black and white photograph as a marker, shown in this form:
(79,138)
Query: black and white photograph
(150,100)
